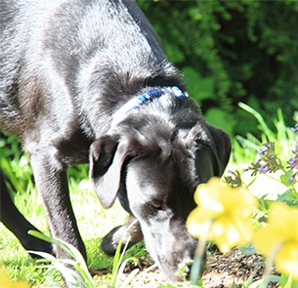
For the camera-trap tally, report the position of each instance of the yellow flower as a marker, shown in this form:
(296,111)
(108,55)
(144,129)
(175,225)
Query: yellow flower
(227,210)
(280,236)
(8,283)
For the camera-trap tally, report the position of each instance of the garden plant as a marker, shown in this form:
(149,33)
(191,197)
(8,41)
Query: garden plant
(225,212)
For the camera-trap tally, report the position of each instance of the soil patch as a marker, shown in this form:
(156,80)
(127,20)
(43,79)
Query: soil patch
(222,271)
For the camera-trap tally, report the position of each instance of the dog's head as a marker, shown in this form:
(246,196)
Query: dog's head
(154,168)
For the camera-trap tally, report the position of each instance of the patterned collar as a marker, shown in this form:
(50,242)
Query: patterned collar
(142,99)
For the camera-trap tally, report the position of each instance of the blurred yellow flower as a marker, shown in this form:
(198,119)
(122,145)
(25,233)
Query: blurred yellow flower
(280,236)
(227,210)
(6,282)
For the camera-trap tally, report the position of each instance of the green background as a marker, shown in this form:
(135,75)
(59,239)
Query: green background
(231,52)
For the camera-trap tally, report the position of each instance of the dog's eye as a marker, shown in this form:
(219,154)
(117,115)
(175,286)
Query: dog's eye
(156,204)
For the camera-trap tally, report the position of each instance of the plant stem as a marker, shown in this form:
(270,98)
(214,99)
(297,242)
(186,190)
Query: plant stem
(199,255)
(269,265)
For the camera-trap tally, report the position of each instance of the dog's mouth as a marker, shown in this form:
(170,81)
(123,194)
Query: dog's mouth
(173,255)
(177,272)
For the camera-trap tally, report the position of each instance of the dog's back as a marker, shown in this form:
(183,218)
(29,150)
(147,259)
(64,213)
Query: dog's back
(71,51)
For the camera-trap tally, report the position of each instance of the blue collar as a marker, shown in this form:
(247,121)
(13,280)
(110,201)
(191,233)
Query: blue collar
(143,98)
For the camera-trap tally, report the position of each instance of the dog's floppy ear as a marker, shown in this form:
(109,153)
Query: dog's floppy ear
(221,147)
(107,156)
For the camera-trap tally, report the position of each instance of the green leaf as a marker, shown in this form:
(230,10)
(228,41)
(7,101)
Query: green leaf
(247,249)
(263,126)
(289,198)
(78,262)
(285,178)
(218,118)
(199,88)
(249,281)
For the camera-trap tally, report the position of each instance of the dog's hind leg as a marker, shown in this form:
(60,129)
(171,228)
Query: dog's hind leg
(130,232)
(11,217)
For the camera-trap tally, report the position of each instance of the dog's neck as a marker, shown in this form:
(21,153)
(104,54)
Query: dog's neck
(140,100)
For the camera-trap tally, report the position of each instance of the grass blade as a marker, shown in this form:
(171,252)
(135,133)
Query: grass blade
(80,274)
(264,128)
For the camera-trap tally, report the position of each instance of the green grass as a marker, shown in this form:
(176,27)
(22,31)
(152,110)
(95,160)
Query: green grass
(93,221)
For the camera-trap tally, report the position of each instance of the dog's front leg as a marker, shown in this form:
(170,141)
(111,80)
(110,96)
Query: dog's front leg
(51,181)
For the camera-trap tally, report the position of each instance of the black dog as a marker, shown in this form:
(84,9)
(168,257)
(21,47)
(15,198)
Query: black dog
(86,80)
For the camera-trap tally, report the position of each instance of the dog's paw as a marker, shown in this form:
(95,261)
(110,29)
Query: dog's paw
(111,241)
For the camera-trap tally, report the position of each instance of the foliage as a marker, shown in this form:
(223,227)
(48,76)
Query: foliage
(119,265)
(77,276)
(275,156)
(75,270)
(246,148)
(232,51)
(14,164)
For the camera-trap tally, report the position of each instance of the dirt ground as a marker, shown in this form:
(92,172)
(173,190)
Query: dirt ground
(222,271)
